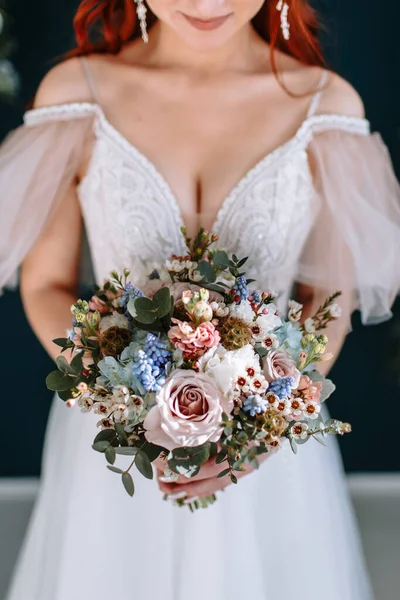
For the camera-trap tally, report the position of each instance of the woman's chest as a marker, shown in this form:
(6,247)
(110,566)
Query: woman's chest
(132,214)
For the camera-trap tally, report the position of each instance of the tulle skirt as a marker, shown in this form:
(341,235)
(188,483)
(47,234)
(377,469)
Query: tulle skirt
(285,532)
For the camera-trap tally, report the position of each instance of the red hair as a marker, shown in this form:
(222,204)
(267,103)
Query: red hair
(113,23)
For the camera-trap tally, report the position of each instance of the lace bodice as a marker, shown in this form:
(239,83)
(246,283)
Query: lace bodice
(133,219)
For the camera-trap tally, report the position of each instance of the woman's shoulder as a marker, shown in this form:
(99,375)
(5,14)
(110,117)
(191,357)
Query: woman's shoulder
(64,83)
(339,97)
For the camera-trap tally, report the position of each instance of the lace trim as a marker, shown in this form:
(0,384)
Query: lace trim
(300,141)
(61,112)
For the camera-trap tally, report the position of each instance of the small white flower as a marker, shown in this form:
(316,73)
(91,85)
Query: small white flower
(295,306)
(177,266)
(85,403)
(283,407)
(114,320)
(293,316)
(82,387)
(220,309)
(296,407)
(335,310)
(194,274)
(272,399)
(243,311)
(299,431)
(270,341)
(274,445)
(120,395)
(102,408)
(269,320)
(312,409)
(105,424)
(309,325)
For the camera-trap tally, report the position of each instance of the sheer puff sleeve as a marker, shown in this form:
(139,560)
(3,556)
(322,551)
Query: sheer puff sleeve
(38,162)
(354,244)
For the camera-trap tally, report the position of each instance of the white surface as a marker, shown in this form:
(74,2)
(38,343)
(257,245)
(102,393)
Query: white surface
(376,498)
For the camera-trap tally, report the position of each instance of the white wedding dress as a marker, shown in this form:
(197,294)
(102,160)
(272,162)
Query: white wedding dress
(285,532)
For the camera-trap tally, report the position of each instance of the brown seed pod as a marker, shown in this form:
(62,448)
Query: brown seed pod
(114,340)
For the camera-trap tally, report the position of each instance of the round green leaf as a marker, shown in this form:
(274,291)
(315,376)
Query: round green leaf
(59,382)
(101,446)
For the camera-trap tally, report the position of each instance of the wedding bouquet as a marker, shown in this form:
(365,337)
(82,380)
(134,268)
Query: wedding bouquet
(196,364)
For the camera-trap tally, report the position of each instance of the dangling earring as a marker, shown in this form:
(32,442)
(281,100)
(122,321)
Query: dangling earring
(141,11)
(283,8)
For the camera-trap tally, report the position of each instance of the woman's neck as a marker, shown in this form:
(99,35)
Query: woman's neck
(166,49)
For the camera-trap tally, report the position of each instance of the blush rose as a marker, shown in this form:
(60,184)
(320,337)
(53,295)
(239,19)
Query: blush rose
(188,411)
(277,364)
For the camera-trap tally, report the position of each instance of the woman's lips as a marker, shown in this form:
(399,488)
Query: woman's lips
(206,24)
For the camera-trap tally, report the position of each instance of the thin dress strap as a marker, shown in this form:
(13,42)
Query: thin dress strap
(90,80)
(317,96)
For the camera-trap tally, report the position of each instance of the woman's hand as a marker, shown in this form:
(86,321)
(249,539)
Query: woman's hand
(205,483)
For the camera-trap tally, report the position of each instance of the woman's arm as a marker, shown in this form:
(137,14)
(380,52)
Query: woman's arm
(49,274)
(312,298)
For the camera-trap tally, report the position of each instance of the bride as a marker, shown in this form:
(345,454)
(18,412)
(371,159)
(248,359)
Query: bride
(220,114)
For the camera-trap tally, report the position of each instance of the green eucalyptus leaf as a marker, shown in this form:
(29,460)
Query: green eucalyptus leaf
(234,479)
(131,306)
(221,457)
(162,302)
(64,395)
(223,473)
(62,342)
(146,317)
(76,364)
(121,434)
(59,382)
(128,483)
(143,465)
(144,304)
(152,451)
(293,445)
(104,435)
(221,259)
(114,469)
(126,450)
(64,366)
(109,454)
(101,446)
(207,271)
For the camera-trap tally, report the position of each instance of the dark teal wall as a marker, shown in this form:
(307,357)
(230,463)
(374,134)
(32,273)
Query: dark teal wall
(362,44)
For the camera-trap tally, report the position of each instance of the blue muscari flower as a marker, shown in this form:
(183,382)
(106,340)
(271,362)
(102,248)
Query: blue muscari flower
(156,349)
(147,373)
(256,296)
(281,387)
(154,274)
(241,287)
(255,404)
(129,293)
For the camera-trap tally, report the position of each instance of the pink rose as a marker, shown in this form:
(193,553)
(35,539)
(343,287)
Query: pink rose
(188,411)
(191,339)
(310,390)
(277,364)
